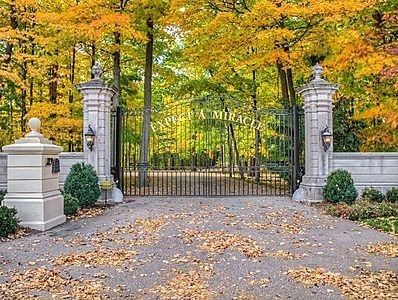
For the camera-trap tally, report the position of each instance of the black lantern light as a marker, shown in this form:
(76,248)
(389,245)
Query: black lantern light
(90,138)
(326,136)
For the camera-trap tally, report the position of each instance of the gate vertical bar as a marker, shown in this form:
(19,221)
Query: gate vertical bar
(296,149)
(118,142)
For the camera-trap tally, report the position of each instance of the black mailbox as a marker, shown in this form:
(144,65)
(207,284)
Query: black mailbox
(55,166)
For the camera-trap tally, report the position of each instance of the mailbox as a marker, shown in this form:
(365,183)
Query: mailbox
(55,166)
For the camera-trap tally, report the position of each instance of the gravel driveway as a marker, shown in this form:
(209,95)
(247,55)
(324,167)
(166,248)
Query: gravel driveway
(202,248)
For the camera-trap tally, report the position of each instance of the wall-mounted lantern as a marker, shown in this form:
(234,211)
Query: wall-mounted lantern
(90,138)
(326,136)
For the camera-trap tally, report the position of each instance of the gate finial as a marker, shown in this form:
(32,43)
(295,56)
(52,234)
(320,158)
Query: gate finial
(317,71)
(97,70)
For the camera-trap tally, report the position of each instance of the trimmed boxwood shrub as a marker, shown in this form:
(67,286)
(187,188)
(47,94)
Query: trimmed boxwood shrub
(365,210)
(392,195)
(340,187)
(82,183)
(8,221)
(71,205)
(372,194)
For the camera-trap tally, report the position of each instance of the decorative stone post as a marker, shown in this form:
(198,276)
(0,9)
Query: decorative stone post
(97,116)
(318,108)
(33,180)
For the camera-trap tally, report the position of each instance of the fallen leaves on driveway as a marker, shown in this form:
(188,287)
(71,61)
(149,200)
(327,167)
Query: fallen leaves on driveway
(263,282)
(97,257)
(150,224)
(50,283)
(191,284)
(219,241)
(21,232)
(88,212)
(387,249)
(282,222)
(367,285)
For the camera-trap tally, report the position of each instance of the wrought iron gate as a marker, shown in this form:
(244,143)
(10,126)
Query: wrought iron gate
(198,148)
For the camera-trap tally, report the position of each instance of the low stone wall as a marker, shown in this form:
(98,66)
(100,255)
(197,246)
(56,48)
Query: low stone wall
(3,171)
(378,169)
(67,159)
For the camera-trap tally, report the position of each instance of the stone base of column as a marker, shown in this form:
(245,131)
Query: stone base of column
(113,195)
(311,190)
(39,211)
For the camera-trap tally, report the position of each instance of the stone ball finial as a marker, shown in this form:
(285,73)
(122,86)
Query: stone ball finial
(34,124)
(317,71)
(97,70)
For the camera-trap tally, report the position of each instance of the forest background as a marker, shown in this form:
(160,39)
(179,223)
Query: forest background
(252,50)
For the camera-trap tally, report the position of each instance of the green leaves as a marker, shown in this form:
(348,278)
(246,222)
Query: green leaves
(340,187)
(8,221)
(82,183)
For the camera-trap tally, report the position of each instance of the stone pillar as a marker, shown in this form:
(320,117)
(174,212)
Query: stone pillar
(33,180)
(97,114)
(318,108)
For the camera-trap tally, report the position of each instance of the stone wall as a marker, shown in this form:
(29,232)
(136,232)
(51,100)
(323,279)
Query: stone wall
(378,170)
(3,171)
(67,159)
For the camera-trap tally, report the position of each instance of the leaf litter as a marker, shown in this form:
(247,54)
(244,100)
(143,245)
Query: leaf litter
(366,285)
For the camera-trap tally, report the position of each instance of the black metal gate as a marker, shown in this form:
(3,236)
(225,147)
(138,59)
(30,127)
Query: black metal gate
(198,148)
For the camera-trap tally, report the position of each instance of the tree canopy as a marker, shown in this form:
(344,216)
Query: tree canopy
(257,51)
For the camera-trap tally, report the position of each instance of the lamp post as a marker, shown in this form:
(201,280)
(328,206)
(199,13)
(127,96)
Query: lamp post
(326,136)
(90,138)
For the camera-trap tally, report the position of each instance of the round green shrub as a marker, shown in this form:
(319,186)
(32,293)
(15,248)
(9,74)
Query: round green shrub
(8,221)
(71,205)
(372,195)
(82,183)
(340,187)
(392,195)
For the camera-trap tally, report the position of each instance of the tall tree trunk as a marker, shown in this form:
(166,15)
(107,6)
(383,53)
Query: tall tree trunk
(72,73)
(257,132)
(31,82)
(116,68)
(235,145)
(14,25)
(230,152)
(53,84)
(9,47)
(290,85)
(93,56)
(71,98)
(24,76)
(283,82)
(147,106)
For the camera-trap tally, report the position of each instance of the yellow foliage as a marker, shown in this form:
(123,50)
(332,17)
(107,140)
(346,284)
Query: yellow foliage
(57,122)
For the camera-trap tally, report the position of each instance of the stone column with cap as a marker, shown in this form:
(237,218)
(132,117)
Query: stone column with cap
(318,108)
(33,180)
(97,114)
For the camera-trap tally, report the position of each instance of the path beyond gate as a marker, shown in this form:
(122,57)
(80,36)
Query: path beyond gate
(206,148)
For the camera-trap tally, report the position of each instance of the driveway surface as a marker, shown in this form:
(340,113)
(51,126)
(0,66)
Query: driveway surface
(202,248)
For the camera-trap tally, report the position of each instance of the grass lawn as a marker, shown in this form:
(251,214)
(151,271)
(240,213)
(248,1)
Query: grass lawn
(384,224)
